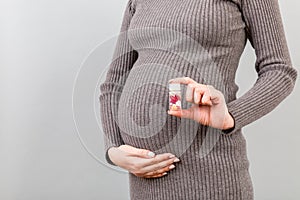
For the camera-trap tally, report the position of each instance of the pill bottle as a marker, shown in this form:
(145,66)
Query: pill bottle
(174,96)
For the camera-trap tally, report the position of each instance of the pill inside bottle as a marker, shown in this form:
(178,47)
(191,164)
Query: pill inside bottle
(174,96)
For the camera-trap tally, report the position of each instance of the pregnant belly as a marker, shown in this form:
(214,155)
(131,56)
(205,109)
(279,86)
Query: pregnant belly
(142,112)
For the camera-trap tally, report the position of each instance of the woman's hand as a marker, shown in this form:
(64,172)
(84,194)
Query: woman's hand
(209,106)
(142,162)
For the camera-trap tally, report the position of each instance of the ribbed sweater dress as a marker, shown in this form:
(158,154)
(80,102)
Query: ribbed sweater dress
(203,40)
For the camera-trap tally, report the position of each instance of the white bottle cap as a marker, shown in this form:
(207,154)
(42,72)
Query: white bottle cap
(174,86)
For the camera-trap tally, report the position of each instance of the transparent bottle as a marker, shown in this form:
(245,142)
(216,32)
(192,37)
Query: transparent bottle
(174,96)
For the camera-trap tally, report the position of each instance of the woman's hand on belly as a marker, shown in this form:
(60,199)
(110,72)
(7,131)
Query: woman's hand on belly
(142,162)
(209,106)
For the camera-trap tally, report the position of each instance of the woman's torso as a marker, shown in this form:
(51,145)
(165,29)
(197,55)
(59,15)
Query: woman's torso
(201,39)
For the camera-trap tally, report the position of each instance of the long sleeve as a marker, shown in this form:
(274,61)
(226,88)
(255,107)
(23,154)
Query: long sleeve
(123,59)
(276,76)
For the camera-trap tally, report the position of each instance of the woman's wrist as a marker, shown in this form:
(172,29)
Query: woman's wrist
(228,122)
(110,153)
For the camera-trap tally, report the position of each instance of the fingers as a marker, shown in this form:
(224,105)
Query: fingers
(141,166)
(209,104)
(157,159)
(215,95)
(206,99)
(160,165)
(151,167)
(161,170)
(184,113)
(183,80)
(155,176)
(143,153)
(156,168)
(198,93)
(189,94)
(157,171)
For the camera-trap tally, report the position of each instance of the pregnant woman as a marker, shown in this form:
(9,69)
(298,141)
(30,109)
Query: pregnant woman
(198,152)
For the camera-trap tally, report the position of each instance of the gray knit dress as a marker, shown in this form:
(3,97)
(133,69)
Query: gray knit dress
(203,40)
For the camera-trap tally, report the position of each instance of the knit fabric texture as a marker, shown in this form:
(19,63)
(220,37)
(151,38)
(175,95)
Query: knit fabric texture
(201,39)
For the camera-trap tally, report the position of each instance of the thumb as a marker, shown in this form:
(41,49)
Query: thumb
(144,153)
(183,113)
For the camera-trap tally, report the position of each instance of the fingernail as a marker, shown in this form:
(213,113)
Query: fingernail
(164,173)
(171,156)
(176,160)
(172,167)
(151,154)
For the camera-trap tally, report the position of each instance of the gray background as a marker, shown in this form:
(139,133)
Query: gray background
(42,45)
